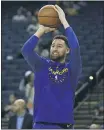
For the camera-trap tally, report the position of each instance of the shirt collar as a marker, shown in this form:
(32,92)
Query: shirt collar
(22,115)
(57,63)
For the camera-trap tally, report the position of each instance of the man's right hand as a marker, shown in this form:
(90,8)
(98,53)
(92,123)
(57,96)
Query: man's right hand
(42,29)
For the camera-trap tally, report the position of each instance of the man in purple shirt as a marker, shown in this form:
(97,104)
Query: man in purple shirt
(55,80)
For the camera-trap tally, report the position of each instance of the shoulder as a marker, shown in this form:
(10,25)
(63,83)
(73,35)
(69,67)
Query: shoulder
(12,118)
(28,115)
(45,59)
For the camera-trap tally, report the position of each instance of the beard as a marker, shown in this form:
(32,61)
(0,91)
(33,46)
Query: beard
(57,58)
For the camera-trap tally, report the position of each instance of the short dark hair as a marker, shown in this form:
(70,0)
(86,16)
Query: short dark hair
(63,38)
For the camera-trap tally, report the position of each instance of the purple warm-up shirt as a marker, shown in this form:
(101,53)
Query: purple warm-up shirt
(54,83)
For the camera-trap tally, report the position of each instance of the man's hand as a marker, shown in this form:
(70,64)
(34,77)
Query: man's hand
(61,16)
(42,29)
(60,13)
(46,29)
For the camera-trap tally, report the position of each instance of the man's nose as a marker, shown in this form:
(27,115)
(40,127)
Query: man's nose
(55,49)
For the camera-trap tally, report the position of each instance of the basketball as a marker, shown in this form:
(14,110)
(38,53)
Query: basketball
(48,16)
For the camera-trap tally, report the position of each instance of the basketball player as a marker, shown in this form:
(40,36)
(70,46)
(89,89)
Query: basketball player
(55,80)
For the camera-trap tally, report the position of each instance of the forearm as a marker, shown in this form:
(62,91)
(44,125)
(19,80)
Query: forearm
(33,59)
(29,45)
(39,33)
(72,38)
(32,42)
(28,51)
(65,23)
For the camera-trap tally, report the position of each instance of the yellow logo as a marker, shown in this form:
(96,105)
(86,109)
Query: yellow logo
(58,76)
(58,72)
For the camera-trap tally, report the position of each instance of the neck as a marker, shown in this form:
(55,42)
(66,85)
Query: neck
(60,61)
(21,112)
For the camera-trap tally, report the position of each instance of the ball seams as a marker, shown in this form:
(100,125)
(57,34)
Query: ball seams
(49,16)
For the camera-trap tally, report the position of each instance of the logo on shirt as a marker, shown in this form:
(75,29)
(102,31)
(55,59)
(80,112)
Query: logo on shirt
(58,75)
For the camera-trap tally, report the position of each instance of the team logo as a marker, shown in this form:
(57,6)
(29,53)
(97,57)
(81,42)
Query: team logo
(58,75)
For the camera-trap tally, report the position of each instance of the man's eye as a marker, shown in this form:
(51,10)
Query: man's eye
(60,46)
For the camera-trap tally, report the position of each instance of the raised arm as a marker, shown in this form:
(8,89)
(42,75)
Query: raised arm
(75,59)
(33,59)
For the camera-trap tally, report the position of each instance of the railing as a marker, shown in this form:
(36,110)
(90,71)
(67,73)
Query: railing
(99,74)
(80,89)
(82,92)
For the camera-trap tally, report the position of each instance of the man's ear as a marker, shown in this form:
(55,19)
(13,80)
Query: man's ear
(68,51)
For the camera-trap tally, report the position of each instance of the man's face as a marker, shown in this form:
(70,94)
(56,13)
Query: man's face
(58,50)
(15,107)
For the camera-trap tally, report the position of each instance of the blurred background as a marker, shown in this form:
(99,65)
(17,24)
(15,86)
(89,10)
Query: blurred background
(19,22)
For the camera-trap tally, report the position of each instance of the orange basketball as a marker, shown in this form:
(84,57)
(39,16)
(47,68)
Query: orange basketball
(48,16)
